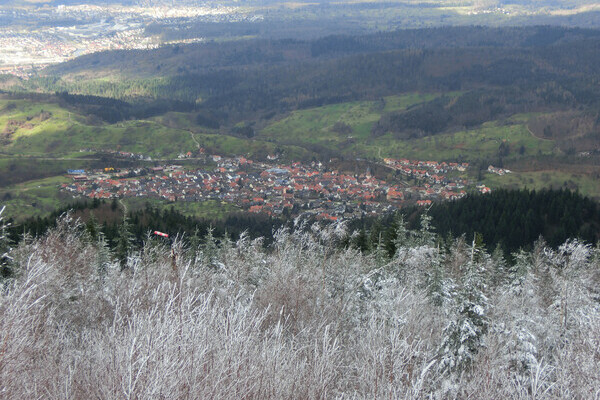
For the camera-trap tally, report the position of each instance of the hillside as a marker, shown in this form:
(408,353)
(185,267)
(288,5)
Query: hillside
(521,99)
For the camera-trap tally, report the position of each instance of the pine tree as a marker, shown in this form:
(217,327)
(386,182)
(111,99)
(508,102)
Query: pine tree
(440,289)
(464,335)
(124,242)
(103,255)
(499,274)
(210,249)
(5,248)
(402,233)
(92,228)
(194,249)
(380,253)
(425,236)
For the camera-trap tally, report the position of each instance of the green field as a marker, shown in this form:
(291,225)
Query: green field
(469,145)
(62,134)
(315,127)
(555,179)
(45,129)
(34,198)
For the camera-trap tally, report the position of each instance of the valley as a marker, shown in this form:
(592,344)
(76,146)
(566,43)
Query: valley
(348,103)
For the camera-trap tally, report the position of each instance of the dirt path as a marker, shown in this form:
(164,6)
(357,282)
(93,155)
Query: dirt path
(125,210)
(537,137)
(194,139)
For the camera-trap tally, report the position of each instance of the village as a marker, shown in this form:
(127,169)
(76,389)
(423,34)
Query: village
(280,189)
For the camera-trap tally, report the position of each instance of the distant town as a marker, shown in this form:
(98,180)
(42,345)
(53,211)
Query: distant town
(277,188)
(69,31)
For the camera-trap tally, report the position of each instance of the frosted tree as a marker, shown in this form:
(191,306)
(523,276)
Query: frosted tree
(103,255)
(210,249)
(402,233)
(440,288)
(499,273)
(5,248)
(517,272)
(124,242)
(568,261)
(194,246)
(464,335)
(380,253)
(425,235)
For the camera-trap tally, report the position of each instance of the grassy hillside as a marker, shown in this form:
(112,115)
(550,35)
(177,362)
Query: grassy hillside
(44,129)
(555,178)
(35,129)
(34,198)
(317,126)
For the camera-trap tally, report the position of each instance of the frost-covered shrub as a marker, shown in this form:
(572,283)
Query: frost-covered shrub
(306,318)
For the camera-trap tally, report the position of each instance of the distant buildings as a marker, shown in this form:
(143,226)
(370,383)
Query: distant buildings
(499,171)
(276,188)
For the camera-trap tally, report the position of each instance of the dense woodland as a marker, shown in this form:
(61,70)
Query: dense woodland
(505,219)
(107,218)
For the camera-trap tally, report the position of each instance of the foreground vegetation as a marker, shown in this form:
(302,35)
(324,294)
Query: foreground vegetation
(305,318)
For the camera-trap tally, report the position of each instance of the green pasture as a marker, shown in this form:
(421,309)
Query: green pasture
(556,179)
(315,125)
(474,144)
(34,198)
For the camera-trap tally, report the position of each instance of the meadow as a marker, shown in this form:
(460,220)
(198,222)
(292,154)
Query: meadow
(316,126)
(36,198)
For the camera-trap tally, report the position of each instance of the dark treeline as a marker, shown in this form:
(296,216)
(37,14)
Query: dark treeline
(523,85)
(107,217)
(467,111)
(213,55)
(508,219)
(114,110)
(515,219)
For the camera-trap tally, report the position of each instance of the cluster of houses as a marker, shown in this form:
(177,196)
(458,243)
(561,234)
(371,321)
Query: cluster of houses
(438,185)
(118,154)
(428,170)
(499,171)
(269,188)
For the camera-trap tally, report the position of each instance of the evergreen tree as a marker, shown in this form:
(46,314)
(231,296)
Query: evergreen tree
(103,255)
(210,249)
(380,253)
(194,249)
(464,335)
(499,273)
(124,242)
(440,289)
(403,235)
(5,248)
(93,228)
(425,236)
